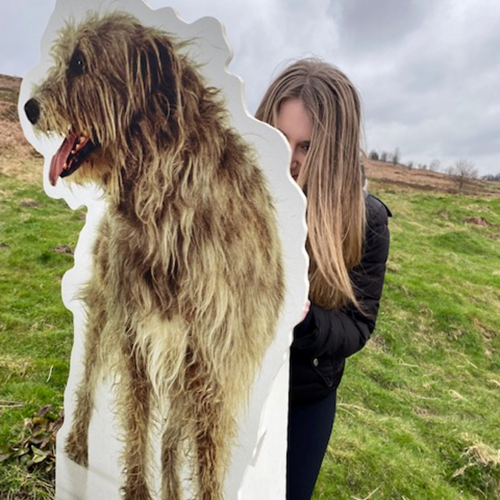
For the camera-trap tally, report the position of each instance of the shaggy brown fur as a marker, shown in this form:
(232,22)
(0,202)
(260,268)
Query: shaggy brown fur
(187,282)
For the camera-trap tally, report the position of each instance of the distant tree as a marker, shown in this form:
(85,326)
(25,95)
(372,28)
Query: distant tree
(373,155)
(463,172)
(422,166)
(384,156)
(396,156)
(410,165)
(491,177)
(435,165)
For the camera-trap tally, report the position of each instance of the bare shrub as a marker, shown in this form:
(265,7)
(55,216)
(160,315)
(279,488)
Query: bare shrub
(463,172)
(396,156)
(435,165)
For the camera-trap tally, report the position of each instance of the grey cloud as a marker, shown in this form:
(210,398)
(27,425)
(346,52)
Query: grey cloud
(372,26)
(21,26)
(427,71)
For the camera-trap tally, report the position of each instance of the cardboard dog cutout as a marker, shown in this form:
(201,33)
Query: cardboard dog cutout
(190,272)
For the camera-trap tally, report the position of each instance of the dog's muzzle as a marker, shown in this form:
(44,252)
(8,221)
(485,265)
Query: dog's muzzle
(32,110)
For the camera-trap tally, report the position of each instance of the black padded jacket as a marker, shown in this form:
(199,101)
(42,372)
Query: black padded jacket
(326,337)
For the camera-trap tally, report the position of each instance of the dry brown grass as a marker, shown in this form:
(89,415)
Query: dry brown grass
(10,82)
(404,178)
(17,157)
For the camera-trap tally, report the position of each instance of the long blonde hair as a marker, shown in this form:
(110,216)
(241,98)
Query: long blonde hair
(331,175)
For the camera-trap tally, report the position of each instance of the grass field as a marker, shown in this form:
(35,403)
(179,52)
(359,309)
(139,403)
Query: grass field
(419,408)
(418,413)
(37,237)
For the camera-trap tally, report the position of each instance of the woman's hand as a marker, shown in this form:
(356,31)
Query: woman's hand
(305,311)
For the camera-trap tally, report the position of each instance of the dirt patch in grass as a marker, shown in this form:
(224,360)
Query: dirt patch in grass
(478,221)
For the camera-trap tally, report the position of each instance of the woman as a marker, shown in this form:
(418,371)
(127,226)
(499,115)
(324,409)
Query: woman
(318,110)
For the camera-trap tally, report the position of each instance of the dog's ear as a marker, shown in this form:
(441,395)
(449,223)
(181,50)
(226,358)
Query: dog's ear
(159,69)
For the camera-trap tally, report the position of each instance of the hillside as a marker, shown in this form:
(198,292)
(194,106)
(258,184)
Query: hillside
(17,155)
(418,408)
(404,179)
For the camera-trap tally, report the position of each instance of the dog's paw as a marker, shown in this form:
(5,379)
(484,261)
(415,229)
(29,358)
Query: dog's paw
(136,490)
(76,448)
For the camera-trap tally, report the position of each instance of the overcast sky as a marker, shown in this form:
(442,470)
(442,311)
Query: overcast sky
(428,70)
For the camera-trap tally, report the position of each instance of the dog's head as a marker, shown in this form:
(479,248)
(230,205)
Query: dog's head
(110,73)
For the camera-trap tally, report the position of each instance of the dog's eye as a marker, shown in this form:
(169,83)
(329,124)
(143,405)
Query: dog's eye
(77,65)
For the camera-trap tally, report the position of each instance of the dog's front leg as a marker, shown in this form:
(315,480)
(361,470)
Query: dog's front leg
(134,407)
(212,450)
(77,440)
(174,428)
(214,430)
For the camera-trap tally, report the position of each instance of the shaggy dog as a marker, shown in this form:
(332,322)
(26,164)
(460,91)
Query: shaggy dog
(187,281)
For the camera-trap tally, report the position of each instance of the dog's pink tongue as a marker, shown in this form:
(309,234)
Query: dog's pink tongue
(59,159)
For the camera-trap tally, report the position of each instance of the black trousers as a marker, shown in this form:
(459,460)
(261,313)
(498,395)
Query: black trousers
(309,430)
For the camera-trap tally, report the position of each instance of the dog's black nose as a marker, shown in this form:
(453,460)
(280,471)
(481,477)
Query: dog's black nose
(32,110)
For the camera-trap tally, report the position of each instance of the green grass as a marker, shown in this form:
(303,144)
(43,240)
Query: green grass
(36,330)
(418,409)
